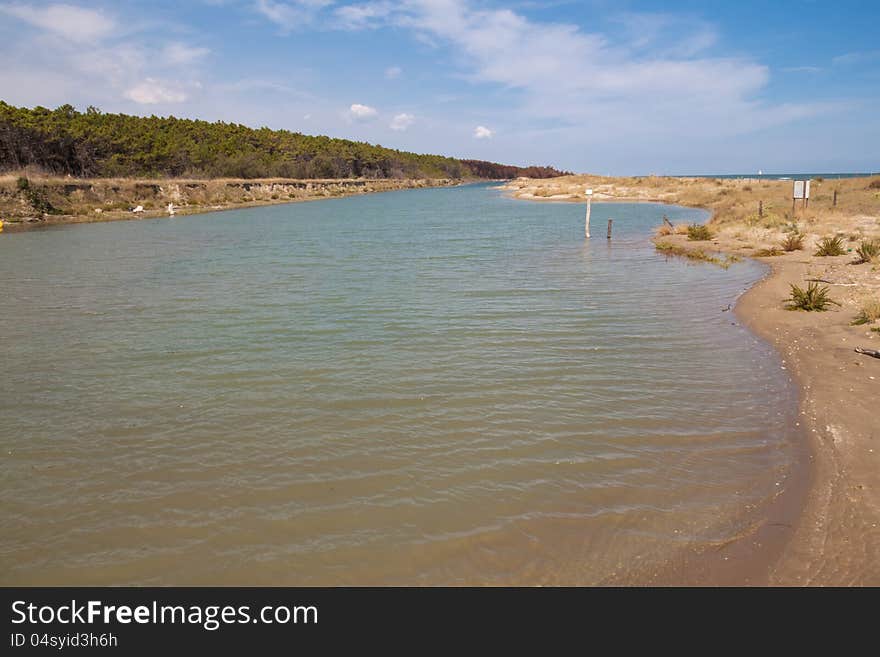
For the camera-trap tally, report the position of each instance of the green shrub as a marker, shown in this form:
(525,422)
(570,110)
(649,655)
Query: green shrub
(831,246)
(767,253)
(699,233)
(813,298)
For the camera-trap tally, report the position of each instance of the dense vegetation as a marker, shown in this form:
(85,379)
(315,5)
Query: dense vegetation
(92,144)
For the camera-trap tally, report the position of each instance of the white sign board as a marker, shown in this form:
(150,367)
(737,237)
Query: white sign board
(801,189)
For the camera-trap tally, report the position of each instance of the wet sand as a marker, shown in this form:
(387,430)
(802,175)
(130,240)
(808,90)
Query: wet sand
(836,540)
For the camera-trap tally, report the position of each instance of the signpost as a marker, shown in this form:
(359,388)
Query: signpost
(587,223)
(801,191)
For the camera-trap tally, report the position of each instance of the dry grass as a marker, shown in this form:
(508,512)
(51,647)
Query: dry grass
(695,254)
(869,313)
(734,203)
(699,233)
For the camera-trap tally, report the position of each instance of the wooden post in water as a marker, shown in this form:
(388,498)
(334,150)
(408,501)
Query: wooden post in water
(609,228)
(587,222)
(667,222)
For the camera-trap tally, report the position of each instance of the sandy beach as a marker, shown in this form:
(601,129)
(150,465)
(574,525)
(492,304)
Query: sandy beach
(835,536)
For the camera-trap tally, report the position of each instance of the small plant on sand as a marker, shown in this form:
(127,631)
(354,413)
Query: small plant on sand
(769,253)
(793,242)
(868,251)
(874,184)
(831,246)
(813,298)
(699,233)
(869,313)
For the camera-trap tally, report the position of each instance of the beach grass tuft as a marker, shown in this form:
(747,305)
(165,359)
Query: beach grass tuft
(793,242)
(813,298)
(868,251)
(830,246)
(769,253)
(699,233)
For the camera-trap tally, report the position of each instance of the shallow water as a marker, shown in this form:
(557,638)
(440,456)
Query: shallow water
(418,387)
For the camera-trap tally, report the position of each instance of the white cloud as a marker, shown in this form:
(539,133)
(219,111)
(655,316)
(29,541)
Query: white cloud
(393,72)
(74,23)
(179,53)
(402,121)
(482,132)
(359,111)
(153,92)
(293,14)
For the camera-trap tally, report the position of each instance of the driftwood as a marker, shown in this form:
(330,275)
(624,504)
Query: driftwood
(666,221)
(868,352)
(824,280)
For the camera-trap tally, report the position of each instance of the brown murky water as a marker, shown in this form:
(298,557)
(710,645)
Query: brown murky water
(424,387)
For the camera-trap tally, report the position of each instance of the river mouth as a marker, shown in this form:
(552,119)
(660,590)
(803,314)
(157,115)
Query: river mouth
(440,386)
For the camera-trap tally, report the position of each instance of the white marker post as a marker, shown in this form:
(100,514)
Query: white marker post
(587,223)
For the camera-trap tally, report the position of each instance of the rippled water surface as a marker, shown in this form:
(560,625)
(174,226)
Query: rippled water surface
(431,386)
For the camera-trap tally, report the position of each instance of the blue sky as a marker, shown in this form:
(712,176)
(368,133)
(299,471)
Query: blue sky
(603,86)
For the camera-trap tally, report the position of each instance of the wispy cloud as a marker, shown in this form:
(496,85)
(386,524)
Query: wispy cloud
(82,53)
(482,132)
(802,69)
(291,15)
(565,74)
(393,72)
(71,22)
(856,57)
(179,53)
(364,15)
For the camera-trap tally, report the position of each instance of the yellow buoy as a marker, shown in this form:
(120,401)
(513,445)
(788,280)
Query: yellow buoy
(1,225)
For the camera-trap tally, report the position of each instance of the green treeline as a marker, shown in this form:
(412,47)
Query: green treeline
(95,144)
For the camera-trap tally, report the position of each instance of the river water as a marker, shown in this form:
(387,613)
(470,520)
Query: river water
(441,386)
